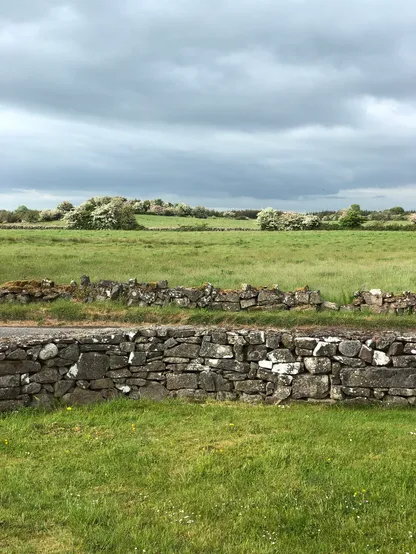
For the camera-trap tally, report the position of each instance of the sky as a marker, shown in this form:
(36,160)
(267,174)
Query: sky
(296,104)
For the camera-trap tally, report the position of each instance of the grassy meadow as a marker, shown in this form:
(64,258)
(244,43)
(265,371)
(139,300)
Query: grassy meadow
(133,477)
(337,262)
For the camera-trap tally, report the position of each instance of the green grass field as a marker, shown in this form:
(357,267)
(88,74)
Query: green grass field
(337,263)
(173,221)
(132,477)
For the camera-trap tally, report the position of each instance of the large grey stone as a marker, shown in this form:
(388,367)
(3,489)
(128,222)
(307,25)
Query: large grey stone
(10,405)
(229,365)
(317,365)
(280,393)
(18,354)
(82,397)
(380,358)
(250,386)
(62,387)
(117,362)
(12,367)
(281,356)
(379,377)
(48,351)
(47,375)
(9,381)
(182,381)
(183,350)
(325,349)
(366,354)
(154,391)
(9,393)
(349,348)
(256,352)
(306,342)
(310,386)
(91,365)
(404,361)
(71,353)
(137,358)
(209,350)
(290,368)
(32,388)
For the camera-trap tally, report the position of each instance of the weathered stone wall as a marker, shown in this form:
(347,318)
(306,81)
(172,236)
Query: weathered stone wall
(256,365)
(207,296)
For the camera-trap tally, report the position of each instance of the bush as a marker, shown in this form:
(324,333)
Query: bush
(50,215)
(270,219)
(412,218)
(103,213)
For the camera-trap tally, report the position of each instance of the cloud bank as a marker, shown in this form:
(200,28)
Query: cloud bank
(297,104)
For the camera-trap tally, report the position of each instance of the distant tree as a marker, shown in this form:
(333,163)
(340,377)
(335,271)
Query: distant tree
(397,210)
(183,210)
(64,207)
(412,218)
(157,202)
(200,212)
(352,218)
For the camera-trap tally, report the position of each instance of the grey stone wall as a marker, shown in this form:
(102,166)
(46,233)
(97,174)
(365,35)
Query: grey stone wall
(248,298)
(254,365)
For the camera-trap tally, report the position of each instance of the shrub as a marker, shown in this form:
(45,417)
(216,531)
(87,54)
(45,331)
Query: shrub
(50,215)
(412,218)
(268,219)
(103,213)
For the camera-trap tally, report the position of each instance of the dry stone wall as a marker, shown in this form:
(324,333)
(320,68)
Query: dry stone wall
(248,298)
(254,365)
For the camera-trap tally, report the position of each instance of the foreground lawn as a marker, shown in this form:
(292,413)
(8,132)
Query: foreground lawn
(336,262)
(128,476)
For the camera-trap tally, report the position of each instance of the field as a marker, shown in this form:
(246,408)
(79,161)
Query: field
(128,477)
(337,263)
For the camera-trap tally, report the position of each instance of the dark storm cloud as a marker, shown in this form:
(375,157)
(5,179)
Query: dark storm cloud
(218,100)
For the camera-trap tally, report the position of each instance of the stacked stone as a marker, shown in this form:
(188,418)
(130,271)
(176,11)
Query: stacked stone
(250,365)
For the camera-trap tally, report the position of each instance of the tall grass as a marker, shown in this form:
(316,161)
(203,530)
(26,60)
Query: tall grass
(337,263)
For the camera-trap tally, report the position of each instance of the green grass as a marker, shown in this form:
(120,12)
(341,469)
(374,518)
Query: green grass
(175,221)
(337,263)
(61,313)
(126,477)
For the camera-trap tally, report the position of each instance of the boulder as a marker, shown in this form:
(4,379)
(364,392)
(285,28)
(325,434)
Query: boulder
(310,386)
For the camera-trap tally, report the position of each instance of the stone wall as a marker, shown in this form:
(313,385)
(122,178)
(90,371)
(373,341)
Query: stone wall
(255,365)
(207,296)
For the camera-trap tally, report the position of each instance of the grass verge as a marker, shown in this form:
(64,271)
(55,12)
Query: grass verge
(127,477)
(61,313)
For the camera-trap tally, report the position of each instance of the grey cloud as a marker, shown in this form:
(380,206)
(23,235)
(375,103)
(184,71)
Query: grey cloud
(264,99)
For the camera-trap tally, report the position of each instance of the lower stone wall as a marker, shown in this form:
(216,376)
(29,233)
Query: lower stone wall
(254,365)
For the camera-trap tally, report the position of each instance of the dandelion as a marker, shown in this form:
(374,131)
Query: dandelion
(6,441)
(133,427)
(231,424)
(68,408)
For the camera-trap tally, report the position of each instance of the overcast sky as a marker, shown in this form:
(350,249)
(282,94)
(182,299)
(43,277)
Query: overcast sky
(295,104)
